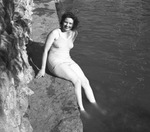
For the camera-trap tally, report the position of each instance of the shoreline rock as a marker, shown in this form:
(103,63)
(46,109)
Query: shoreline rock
(28,104)
(53,106)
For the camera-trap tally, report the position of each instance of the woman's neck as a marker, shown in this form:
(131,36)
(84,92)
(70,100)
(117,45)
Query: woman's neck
(66,34)
(64,31)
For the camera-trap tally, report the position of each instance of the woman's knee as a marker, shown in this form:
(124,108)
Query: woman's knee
(76,81)
(85,82)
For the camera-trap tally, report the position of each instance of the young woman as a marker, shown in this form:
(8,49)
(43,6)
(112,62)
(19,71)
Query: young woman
(57,54)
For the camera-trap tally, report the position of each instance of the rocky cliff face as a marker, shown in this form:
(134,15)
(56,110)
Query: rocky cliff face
(15,71)
(27,104)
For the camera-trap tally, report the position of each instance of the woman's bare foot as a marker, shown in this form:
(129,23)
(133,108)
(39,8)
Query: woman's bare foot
(85,114)
(102,111)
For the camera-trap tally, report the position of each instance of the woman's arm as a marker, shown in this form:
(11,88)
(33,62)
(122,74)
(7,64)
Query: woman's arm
(75,35)
(49,41)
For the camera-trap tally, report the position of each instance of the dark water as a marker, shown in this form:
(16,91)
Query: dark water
(113,49)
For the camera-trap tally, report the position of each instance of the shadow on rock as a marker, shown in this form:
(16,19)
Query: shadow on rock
(35,53)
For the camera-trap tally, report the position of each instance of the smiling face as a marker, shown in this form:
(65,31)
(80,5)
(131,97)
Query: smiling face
(67,24)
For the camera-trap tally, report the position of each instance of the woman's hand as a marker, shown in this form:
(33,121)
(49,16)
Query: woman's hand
(41,73)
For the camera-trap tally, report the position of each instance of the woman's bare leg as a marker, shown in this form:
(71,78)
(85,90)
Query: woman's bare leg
(87,88)
(84,82)
(64,71)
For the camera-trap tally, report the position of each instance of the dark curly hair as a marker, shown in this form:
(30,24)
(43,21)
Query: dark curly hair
(70,15)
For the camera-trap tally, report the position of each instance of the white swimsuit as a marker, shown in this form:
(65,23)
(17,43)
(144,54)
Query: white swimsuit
(60,51)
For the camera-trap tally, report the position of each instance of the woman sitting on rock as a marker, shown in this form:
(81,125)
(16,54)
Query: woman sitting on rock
(57,54)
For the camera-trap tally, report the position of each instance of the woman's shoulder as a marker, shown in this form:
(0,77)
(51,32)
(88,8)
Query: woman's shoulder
(54,33)
(75,31)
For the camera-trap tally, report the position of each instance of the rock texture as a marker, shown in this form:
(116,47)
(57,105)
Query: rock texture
(27,104)
(53,106)
(15,71)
